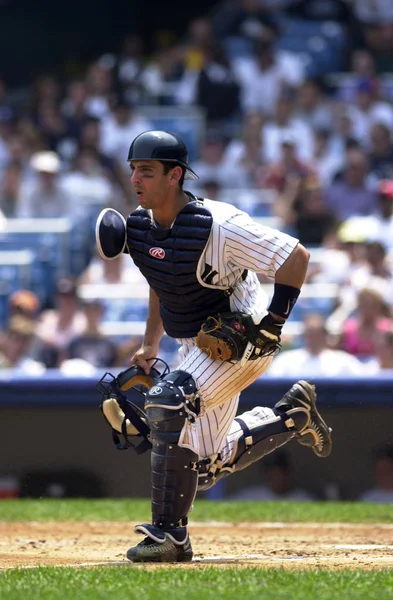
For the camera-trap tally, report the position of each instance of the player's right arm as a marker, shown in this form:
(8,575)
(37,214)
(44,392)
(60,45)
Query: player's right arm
(153,334)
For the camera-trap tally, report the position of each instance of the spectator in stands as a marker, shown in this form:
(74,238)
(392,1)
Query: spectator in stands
(212,190)
(45,198)
(383,474)
(90,139)
(315,358)
(243,155)
(380,226)
(289,169)
(373,271)
(16,345)
(24,303)
(376,21)
(302,208)
(10,189)
(277,482)
(52,125)
(328,155)
(73,107)
(18,155)
(286,125)
(193,57)
(360,332)
(89,187)
(45,89)
(331,263)
(381,151)
(362,65)
(120,126)
(382,362)
(217,92)
(312,105)
(264,77)
(91,345)
(213,165)
(214,88)
(129,68)
(352,196)
(368,109)
(162,75)
(58,326)
(99,81)
(199,41)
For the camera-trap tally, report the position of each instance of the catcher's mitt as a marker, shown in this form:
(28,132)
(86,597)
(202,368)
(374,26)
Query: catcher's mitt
(234,336)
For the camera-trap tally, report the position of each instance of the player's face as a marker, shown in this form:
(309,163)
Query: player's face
(150,183)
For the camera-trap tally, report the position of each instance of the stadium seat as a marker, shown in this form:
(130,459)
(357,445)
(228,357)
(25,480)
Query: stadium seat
(49,241)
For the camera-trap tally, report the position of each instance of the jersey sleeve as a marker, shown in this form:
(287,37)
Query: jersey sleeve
(251,245)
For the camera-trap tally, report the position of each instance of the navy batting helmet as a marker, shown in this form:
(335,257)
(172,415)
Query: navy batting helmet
(162,146)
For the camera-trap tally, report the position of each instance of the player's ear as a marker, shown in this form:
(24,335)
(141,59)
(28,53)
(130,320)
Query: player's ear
(175,175)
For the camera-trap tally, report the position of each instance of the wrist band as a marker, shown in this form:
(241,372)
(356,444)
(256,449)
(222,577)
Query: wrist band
(284,299)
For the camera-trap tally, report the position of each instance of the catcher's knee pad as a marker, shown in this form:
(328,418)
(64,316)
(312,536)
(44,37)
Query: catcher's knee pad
(170,403)
(174,469)
(251,443)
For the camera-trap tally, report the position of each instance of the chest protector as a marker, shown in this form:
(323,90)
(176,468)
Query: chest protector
(168,258)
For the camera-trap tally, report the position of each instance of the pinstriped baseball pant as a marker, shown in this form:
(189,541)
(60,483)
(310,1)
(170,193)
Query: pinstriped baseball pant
(219,385)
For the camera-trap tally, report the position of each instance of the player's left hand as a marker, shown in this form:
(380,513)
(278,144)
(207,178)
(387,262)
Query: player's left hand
(237,336)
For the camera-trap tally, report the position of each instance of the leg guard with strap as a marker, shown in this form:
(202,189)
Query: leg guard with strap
(174,470)
(253,435)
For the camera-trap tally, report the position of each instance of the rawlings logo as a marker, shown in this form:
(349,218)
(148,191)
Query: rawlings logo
(155,391)
(157,253)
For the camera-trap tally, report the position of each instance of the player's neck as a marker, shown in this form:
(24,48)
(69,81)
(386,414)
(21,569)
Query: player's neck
(165,215)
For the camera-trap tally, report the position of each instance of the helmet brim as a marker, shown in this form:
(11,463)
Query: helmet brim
(190,174)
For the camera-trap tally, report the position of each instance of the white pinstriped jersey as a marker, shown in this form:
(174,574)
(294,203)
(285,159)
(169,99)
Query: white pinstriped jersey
(236,243)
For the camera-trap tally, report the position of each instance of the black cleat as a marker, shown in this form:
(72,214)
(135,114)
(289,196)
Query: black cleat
(317,434)
(162,549)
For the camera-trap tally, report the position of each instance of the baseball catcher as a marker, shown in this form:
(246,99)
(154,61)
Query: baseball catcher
(201,260)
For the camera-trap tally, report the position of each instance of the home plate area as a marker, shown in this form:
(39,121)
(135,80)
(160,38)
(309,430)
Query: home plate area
(265,545)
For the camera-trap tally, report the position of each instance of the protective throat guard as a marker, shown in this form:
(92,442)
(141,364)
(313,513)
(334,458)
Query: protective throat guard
(110,234)
(125,417)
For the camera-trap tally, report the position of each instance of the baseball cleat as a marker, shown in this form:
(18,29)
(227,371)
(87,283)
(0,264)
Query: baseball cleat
(150,551)
(316,435)
(160,546)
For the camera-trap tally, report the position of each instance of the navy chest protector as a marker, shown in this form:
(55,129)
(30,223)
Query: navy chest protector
(168,258)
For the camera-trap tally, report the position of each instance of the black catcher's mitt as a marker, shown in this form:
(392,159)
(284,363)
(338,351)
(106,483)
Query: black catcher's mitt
(234,336)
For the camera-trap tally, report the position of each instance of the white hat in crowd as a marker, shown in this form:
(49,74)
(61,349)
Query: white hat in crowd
(45,161)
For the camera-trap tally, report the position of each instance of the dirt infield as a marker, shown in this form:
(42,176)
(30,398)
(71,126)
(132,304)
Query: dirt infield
(289,545)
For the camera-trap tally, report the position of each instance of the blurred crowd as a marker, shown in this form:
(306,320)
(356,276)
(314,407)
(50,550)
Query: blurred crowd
(297,130)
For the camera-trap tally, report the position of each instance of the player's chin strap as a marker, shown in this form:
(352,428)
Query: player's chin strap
(125,417)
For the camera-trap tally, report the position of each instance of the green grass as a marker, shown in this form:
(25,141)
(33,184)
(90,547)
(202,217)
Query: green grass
(129,583)
(139,510)
(197,582)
